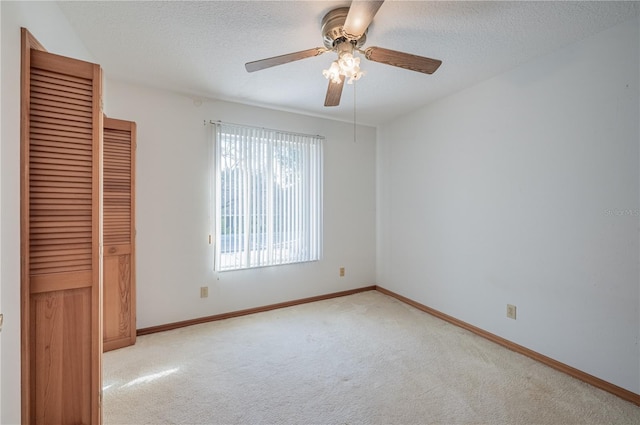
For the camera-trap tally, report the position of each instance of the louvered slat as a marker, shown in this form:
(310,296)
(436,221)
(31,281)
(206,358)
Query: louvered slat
(60,167)
(117,186)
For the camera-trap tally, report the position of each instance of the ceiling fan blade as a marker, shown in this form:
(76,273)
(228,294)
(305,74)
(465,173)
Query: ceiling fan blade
(282,59)
(359,18)
(403,60)
(334,92)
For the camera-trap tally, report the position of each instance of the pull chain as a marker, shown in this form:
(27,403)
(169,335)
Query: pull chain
(354,111)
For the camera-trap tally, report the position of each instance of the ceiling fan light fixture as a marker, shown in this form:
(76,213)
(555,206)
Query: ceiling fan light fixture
(347,65)
(350,66)
(333,73)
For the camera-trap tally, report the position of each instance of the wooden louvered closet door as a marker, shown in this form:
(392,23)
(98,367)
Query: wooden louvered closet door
(61,236)
(119,319)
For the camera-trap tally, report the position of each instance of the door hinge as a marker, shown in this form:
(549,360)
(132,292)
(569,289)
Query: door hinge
(210,239)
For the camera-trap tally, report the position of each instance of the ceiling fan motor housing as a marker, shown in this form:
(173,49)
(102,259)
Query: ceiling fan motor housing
(332,32)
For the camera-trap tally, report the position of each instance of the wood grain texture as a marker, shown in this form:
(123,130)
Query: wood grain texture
(27,43)
(119,234)
(576,373)
(334,92)
(95,359)
(61,338)
(118,309)
(60,281)
(403,60)
(282,59)
(61,145)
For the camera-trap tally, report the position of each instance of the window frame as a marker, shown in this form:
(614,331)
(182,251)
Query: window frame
(258,159)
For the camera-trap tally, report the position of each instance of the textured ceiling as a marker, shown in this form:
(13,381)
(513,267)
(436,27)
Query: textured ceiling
(199,48)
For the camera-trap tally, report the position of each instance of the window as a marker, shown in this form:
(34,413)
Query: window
(267,197)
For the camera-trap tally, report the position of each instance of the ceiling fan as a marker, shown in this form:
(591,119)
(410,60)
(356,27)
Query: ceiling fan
(344,31)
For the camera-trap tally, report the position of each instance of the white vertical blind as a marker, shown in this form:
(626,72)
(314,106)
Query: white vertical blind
(268,197)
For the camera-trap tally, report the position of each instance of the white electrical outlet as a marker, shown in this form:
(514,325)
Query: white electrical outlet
(511,311)
(204,291)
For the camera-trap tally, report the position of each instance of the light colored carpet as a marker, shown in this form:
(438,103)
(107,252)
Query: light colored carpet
(361,359)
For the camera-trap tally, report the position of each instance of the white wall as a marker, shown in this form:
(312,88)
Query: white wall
(524,189)
(45,21)
(174,258)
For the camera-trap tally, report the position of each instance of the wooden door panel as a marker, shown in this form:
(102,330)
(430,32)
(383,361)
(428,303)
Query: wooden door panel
(119,321)
(117,301)
(61,204)
(62,337)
